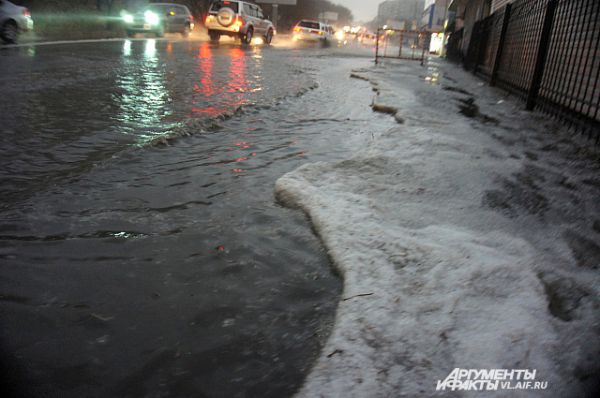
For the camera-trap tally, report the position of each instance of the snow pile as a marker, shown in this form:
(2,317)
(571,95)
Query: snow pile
(458,247)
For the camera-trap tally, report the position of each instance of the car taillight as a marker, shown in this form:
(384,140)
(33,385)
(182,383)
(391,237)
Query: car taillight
(297,29)
(26,12)
(209,18)
(239,22)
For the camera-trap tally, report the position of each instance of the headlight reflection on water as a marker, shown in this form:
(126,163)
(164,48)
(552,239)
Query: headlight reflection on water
(150,49)
(143,98)
(127,48)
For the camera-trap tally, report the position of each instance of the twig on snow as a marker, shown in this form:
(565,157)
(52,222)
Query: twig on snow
(358,295)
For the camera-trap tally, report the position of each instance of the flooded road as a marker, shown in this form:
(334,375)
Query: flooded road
(142,251)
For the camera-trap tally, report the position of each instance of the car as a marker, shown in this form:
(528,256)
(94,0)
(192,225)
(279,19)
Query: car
(239,19)
(367,38)
(312,31)
(158,19)
(13,20)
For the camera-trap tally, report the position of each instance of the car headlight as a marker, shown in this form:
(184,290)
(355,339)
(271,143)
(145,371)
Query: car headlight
(151,18)
(127,18)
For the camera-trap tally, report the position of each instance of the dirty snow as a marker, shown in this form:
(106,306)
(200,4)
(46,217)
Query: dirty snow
(467,237)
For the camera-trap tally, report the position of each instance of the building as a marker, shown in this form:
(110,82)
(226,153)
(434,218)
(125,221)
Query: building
(400,14)
(434,20)
(465,13)
(462,15)
(435,15)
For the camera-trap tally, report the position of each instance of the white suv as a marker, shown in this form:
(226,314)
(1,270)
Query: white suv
(314,31)
(238,19)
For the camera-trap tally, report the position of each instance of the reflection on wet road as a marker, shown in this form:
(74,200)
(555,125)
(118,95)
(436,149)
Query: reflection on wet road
(142,251)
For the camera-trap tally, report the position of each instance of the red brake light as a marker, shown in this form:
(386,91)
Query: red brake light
(239,21)
(26,12)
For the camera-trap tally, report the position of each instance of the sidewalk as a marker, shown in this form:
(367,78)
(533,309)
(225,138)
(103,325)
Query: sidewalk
(467,237)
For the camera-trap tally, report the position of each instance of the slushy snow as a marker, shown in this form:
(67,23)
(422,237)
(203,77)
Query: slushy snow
(467,237)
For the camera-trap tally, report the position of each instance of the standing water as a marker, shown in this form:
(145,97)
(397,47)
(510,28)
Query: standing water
(143,253)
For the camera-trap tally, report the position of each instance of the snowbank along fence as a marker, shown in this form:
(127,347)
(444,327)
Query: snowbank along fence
(545,51)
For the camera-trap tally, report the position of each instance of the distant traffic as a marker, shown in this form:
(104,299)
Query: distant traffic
(241,20)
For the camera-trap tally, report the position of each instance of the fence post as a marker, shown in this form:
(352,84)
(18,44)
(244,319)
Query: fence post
(425,43)
(377,47)
(479,46)
(401,42)
(540,62)
(500,48)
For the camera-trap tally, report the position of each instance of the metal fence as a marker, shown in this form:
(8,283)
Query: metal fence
(402,44)
(545,51)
